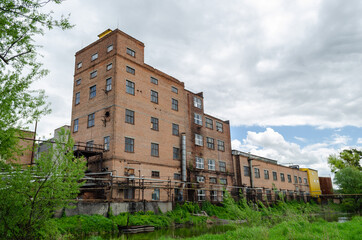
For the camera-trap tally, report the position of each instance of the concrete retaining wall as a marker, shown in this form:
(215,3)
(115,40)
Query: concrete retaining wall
(101,208)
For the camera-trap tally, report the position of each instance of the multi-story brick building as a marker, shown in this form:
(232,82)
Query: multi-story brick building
(269,178)
(141,126)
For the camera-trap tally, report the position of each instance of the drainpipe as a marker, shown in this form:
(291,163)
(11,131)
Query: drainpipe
(251,171)
(183,153)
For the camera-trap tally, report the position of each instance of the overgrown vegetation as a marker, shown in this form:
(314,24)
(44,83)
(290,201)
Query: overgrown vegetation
(260,219)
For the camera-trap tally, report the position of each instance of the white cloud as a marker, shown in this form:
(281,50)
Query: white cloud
(272,144)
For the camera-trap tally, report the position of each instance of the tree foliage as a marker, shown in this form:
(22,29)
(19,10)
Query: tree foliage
(29,197)
(346,158)
(20,21)
(349,180)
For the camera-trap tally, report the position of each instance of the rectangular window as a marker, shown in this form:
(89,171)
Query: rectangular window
(129,116)
(110,48)
(106,143)
(209,123)
(94,56)
(131,52)
(129,87)
(222,166)
(109,66)
(174,89)
(93,74)
(129,144)
(154,123)
(176,153)
(275,176)
(154,80)
(155,174)
(199,163)
(78,82)
(198,140)
(197,102)
(89,146)
(200,179)
(220,145)
(108,84)
(213,195)
(130,70)
(77,98)
(177,176)
(154,96)
(198,119)
(91,120)
(257,172)
(219,127)
(79,65)
(282,178)
(210,143)
(246,171)
(211,164)
(156,194)
(295,179)
(174,104)
(92,91)
(300,179)
(212,180)
(75,125)
(223,181)
(266,174)
(129,193)
(175,130)
(201,195)
(289,178)
(305,181)
(154,149)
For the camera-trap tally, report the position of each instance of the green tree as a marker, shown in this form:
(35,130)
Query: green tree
(29,197)
(349,179)
(346,158)
(20,21)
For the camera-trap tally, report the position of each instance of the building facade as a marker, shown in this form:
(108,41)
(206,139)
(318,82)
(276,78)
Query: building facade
(143,128)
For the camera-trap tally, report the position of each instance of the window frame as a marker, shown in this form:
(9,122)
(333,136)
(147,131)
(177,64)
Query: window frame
(208,124)
(106,142)
(129,116)
(109,48)
(78,82)
(129,144)
(222,166)
(130,70)
(197,102)
(211,164)
(200,179)
(174,126)
(199,163)
(174,104)
(75,125)
(256,172)
(266,174)
(220,145)
(275,176)
(155,174)
(176,153)
(289,177)
(94,57)
(92,91)
(282,177)
(212,180)
(91,120)
(79,65)
(199,140)
(154,96)
(223,181)
(174,89)
(154,124)
(108,84)
(155,149)
(131,52)
(130,88)
(246,171)
(77,98)
(198,119)
(210,142)
(154,80)
(219,126)
(109,66)
(93,74)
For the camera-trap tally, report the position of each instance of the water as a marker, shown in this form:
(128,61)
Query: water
(337,217)
(184,232)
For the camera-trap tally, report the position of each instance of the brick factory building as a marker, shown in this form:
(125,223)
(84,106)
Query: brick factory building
(141,129)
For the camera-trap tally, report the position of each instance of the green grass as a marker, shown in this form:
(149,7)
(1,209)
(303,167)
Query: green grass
(298,230)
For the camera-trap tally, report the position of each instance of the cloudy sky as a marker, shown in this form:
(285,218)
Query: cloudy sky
(287,74)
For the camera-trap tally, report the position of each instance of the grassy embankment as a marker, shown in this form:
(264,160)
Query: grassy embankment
(262,219)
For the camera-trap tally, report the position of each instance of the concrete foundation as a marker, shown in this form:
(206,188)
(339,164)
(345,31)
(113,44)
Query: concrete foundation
(101,208)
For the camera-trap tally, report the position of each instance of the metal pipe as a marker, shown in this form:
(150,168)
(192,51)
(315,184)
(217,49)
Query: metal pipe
(183,162)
